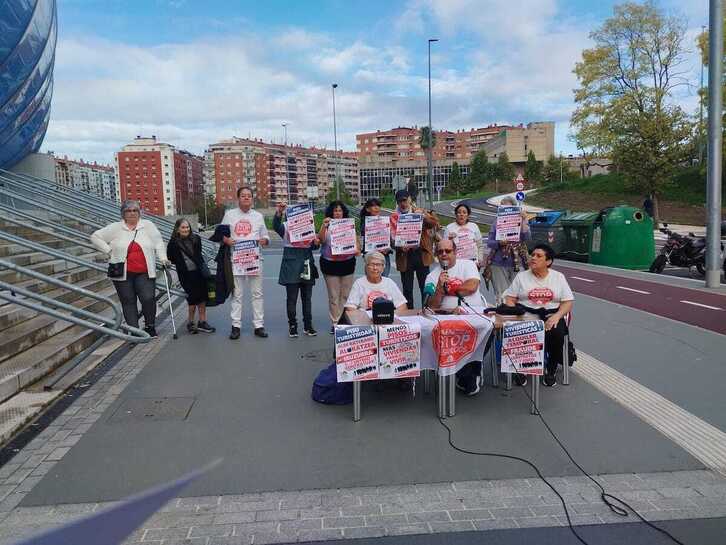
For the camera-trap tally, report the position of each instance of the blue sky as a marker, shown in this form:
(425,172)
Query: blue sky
(195,72)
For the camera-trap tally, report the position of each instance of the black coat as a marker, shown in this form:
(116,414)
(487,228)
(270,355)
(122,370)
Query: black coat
(225,277)
(176,256)
(293,259)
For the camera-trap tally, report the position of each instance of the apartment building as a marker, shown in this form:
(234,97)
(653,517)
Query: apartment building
(91,178)
(517,142)
(158,175)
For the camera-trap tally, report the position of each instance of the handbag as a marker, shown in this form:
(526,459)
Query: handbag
(203,267)
(116,270)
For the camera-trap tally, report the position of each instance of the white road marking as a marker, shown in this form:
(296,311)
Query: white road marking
(583,279)
(704,441)
(701,305)
(633,290)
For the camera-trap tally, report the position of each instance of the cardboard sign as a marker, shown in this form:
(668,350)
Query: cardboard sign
(246,258)
(342,236)
(399,352)
(523,347)
(300,223)
(509,223)
(356,353)
(408,231)
(457,340)
(377,233)
(465,245)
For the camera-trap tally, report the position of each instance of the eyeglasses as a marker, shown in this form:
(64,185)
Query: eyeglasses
(131,210)
(444,251)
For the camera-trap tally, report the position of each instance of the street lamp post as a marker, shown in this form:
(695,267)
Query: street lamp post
(429,165)
(700,115)
(287,175)
(204,197)
(335,145)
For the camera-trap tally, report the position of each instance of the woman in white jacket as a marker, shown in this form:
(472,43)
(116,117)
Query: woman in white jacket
(137,244)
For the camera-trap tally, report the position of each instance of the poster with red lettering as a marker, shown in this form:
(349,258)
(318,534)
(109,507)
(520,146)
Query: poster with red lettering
(523,347)
(246,258)
(465,245)
(399,350)
(342,236)
(457,340)
(509,223)
(356,353)
(300,223)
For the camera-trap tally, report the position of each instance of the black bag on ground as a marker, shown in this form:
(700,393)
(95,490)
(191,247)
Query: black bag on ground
(327,389)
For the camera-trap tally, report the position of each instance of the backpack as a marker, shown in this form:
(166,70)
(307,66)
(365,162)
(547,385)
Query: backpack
(327,390)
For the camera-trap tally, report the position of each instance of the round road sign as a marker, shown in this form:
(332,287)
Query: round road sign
(520,186)
(520,195)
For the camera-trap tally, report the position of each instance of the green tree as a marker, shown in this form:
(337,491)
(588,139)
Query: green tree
(624,102)
(423,139)
(702,42)
(533,169)
(504,171)
(455,186)
(479,172)
(344,194)
(553,169)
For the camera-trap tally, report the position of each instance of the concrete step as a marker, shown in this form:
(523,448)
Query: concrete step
(22,336)
(9,248)
(49,268)
(11,314)
(33,234)
(31,365)
(72,275)
(31,257)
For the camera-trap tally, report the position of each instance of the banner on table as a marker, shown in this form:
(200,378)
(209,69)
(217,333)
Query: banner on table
(458,340)
(466,245)
(408,231)
(342,236)
(399,351)
(300,223)
(523,347)
(378,233)
(509,223)
(356,353)
(246,258)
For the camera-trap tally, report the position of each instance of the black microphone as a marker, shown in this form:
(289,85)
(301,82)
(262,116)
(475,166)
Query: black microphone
(445,267)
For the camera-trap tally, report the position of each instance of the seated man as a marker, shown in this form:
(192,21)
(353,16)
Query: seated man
(454,279)
(373,285)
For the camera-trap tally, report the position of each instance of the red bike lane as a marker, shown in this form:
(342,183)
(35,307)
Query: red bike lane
(695,307)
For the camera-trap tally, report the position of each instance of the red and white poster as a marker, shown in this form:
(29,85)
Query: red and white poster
(457,340)
(356,353)
(399,353)
(523,347)
(465,245)
(378,233)
(408,231)
(246,258)
(300,223)
(509,223)
(342,236)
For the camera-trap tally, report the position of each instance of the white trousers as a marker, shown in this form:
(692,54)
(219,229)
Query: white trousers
(253,284)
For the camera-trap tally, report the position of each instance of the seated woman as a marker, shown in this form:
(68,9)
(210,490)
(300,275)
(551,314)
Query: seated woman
(547,291)
(373,285)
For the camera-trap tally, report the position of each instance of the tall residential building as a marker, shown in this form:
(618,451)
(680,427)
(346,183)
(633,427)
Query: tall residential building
(384,155)
(271,168)
(91,178)
(159,176)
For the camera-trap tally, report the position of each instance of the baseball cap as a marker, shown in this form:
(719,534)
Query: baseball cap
(401,195)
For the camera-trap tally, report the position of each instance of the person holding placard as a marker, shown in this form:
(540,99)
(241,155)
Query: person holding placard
(413,259)
(337,264)
(548,292)
(376,233)
(467,236)
(502,264)
(297,272)
(246,228)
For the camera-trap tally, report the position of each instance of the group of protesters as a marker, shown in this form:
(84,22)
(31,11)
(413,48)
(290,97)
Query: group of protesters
(138,246)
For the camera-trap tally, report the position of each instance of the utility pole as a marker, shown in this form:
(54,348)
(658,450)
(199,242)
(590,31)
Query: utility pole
(560,167)
(713,179)
(287,175)
(335,145)
(429,165)
(700,114)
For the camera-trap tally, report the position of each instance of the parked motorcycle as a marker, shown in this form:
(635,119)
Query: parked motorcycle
(681,251)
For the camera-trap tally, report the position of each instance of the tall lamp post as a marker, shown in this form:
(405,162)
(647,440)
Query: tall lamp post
(287,176)
(429,165)
(335,145)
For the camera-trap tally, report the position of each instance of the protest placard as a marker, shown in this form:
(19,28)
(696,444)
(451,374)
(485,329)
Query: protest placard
(408,231)
(356,353)
(509,223)
(399,351)
(300,223)
(377,233)
(342,236)
(465,244)
(523,347)
(246,258)
(457,340)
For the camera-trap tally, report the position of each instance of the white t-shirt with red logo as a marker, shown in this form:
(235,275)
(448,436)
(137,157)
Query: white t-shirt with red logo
(463,270)
(364,292)
(245,225)
(533,292)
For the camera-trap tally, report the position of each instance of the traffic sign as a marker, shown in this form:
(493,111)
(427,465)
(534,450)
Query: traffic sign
(520,196)
(520,186)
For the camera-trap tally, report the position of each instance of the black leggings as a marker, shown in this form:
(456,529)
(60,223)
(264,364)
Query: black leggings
(306,294)
(407,282)
(554,344)
(137,286)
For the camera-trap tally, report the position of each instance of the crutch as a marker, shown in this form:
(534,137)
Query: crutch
(171,309)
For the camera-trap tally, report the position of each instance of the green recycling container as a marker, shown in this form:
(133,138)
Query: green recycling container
(622,236)
(577,235)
